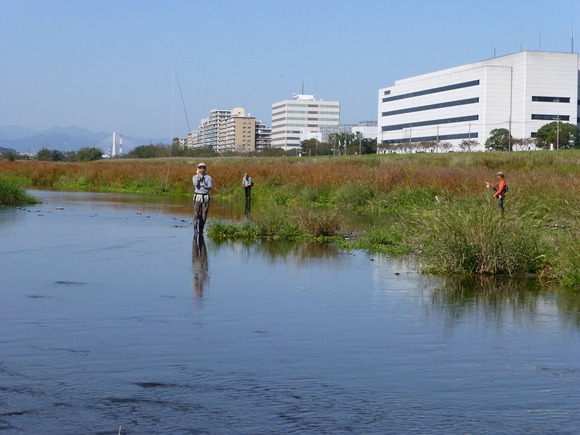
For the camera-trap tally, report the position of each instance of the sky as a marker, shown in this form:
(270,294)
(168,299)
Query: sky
(155,68)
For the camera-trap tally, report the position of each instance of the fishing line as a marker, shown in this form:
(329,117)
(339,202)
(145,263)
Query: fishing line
(182,101)
(168,166)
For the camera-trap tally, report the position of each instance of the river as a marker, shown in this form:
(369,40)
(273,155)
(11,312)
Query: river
(113,319)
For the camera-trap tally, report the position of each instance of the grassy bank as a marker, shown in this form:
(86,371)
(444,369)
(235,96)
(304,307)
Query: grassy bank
(11,193)
(432,206)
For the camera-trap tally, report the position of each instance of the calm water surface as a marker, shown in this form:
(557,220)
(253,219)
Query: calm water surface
(113,319)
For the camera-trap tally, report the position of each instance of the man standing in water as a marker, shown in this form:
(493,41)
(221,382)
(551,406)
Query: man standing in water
(202,184)
(500,189)
(247,184)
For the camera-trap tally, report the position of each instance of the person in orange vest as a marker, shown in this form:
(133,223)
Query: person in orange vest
(500,188)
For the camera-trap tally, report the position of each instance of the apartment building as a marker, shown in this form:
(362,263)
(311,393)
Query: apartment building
(301,118)
(211,130)
(263,135)
(520,92)
(239,132)
(230,130)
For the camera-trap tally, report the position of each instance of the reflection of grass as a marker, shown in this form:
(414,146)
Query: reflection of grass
(432,205)
(496,297)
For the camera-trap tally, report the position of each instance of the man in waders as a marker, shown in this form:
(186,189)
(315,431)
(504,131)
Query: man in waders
(500,188)
(202,184)
(247,184)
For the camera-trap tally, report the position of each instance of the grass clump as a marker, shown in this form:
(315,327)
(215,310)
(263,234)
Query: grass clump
(477,239)
(12,194)
(278,224)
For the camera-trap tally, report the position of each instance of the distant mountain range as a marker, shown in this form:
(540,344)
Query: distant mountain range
(24,140)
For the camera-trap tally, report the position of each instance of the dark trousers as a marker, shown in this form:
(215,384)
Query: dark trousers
(200,210)
(248,191)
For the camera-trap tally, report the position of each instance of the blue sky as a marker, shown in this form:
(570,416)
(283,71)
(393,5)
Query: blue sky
(114,65)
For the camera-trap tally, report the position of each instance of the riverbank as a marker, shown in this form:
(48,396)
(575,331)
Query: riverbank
(432,206)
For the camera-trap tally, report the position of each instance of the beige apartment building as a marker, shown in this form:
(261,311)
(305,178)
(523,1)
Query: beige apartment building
(239,132)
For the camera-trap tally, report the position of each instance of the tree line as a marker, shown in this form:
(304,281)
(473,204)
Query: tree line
(554,135)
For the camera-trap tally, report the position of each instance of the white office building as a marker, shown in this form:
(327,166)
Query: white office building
(301,118)
(520,92)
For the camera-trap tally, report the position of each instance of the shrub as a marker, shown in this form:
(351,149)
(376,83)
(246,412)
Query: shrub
(12,194)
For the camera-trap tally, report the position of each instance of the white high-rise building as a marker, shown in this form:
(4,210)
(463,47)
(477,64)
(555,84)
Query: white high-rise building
(520,92)
(301,118)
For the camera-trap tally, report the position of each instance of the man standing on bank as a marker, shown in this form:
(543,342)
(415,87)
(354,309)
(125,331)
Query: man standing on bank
(202,184)
(500,189)
(247,184)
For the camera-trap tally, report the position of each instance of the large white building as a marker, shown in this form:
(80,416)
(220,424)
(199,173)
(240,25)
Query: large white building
(301,118)
(520,92)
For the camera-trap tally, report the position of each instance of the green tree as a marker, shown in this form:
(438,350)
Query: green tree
(342,143)
(148,152)
(468,144)
(445,146)
(499,139)
(8,155)
(559,135)
(369,146)
(310,147)
(46,155)
(271,152)
(89,154)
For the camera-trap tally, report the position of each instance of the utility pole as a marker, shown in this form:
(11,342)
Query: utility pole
(510,135)
(558,132)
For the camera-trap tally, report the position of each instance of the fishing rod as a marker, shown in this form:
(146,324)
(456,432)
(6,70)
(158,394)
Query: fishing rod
(182,100)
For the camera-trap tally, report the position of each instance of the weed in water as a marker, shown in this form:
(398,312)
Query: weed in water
(12,194)
(479,240)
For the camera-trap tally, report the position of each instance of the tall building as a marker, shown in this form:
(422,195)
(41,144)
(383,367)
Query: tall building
(211,130)
(301,118)
(520,92)
(263,135)
(230,130)
(238,132)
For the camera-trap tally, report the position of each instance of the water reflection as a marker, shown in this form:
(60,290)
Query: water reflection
(499,300)
(200,265)
(274,250)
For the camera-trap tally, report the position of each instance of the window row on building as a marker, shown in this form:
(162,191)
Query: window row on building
(519,92)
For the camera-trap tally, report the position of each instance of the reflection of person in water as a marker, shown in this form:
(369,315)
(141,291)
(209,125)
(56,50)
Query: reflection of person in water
(199,265)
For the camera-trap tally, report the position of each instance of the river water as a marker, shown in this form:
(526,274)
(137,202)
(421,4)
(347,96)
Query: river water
(113,319)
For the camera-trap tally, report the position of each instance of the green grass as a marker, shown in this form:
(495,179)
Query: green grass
(12,194)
